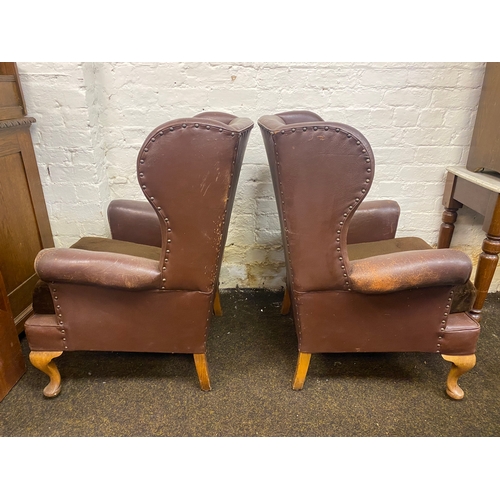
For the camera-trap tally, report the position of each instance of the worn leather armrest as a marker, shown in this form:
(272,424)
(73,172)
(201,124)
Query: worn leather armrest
(407,270)
(134,221)
(84,267)
(374,221)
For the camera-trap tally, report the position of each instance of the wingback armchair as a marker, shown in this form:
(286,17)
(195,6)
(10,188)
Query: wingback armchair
(363,290)
(151,287)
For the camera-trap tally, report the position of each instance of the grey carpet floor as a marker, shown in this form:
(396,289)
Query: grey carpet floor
(251,355)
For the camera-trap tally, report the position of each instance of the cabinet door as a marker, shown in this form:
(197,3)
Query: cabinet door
(24,224)
(12,365)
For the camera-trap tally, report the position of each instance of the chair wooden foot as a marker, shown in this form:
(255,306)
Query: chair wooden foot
(200,361)
(460,365)
(43,361)
(217,306)
(301,370)
(285,307)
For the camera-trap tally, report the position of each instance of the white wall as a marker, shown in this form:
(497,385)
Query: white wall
(93,117)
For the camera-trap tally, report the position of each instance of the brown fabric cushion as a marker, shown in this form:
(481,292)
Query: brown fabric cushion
(463,296)
(42,300)
(96,244)
(358,251)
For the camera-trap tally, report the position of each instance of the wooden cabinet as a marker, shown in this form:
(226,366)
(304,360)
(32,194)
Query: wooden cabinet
(484,152)
(12,365)
(24,222)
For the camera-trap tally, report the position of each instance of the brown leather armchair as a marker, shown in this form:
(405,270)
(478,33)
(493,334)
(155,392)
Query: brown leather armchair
(358,291)
(151,287)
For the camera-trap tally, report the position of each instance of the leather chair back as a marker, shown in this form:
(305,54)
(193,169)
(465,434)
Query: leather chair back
(321,173)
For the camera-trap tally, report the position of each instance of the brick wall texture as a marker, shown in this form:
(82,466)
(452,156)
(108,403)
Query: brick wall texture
(93,117)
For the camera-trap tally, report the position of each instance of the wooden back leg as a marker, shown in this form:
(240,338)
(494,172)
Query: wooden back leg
(200,361)
(301,370)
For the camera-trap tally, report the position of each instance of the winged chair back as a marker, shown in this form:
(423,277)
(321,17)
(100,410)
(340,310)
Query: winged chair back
(188,170)
(393,295)
(321,174)
(124,295)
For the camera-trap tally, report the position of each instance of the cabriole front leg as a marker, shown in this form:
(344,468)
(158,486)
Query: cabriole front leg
(460,365)
(43,361)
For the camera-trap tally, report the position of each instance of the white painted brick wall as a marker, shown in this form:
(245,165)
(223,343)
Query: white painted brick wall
(93,117)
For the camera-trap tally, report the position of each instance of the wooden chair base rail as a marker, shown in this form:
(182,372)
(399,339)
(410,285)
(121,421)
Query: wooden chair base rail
(43,361)
(460,365)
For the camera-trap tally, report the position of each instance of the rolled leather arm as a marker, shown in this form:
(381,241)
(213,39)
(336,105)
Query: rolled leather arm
(412,269)
(84,267)
(374,221)
(134,221)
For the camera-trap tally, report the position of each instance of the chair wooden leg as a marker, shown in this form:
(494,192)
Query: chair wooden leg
(217,306)
(460,365)
(285,307)
(200,361)
(43,361)
(301,370)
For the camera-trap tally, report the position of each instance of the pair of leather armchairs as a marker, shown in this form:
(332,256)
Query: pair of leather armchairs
(351,284)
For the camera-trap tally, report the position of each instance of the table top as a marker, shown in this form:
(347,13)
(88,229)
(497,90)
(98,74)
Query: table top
(487,179)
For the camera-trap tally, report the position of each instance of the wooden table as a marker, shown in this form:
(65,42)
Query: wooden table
(480,191)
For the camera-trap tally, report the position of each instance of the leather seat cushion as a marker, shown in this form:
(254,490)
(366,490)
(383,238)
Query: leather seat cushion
(463,296)
(42,300)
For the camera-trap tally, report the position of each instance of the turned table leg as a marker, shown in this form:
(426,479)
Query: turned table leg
(486,267)
(488,259)
(447,227)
